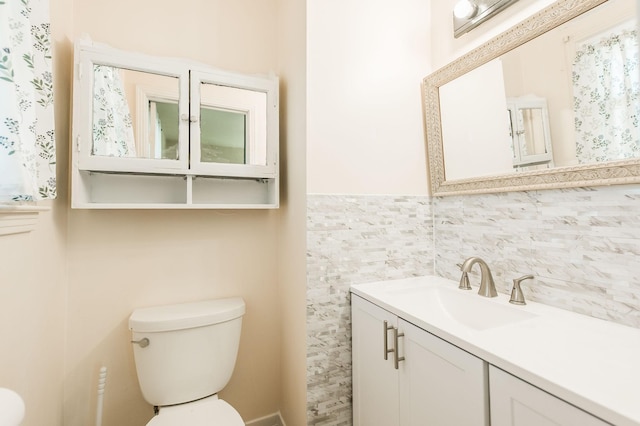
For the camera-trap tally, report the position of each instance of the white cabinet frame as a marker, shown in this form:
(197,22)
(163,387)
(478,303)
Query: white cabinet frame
(422,380)
(110,182)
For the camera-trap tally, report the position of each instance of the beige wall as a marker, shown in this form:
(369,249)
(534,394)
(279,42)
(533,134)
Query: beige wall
(64,317)
(120,260)
(292,50)
(32,313)
(32,285)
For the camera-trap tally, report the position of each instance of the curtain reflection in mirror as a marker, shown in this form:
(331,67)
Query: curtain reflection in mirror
(112,123)
(606,97)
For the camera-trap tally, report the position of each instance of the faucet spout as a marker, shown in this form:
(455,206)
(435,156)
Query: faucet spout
(487,286)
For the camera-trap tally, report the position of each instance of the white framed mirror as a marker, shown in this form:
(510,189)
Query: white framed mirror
(479,141)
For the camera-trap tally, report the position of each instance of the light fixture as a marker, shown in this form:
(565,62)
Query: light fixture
(468,14)
(465,9)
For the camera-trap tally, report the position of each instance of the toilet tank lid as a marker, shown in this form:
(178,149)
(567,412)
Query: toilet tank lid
(186,315)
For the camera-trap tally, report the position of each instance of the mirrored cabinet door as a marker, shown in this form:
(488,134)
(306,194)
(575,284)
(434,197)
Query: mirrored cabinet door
(233,127)
(132,115)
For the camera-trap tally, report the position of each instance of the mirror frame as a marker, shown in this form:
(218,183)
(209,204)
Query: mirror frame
(608,173)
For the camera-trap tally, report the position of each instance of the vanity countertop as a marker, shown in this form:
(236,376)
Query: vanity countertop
(588,362)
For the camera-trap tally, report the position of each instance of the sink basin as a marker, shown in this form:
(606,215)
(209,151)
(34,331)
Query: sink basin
(466,308)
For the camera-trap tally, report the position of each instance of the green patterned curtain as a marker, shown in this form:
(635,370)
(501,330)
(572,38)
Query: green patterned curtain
(27,144)
(607,98)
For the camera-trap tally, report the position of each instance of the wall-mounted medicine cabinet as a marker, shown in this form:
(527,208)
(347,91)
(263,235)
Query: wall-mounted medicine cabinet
(529,133)
(152,132)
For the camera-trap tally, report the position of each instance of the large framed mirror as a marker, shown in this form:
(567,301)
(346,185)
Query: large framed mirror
(553,102)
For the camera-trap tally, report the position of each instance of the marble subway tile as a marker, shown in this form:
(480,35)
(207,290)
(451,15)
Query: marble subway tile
(353,239)
(582,245)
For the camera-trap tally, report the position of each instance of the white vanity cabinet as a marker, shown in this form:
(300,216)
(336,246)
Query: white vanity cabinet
(515,402)
(153,132)
(423,381)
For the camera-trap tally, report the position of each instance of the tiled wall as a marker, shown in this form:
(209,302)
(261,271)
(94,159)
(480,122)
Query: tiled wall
(583,246)
(353,239)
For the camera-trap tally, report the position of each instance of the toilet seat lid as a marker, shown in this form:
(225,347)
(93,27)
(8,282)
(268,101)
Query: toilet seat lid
(206,412)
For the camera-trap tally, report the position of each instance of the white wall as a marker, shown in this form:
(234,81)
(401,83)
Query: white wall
(365,64)
(445,48)
(473,115)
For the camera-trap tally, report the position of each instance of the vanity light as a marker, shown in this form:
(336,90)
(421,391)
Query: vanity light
(465,9)
(468,14)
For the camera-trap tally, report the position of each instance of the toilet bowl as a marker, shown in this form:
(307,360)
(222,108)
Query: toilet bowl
(184,355)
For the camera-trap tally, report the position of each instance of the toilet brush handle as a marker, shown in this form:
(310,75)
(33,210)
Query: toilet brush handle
(102,381)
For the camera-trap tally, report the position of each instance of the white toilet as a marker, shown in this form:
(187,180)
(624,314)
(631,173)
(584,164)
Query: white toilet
(11,408)
(184,355)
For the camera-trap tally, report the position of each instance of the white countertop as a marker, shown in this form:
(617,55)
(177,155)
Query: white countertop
(590,363)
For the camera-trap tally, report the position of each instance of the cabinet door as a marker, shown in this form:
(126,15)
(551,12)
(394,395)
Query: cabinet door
(126,112)
(234,130)
(375,380)
(515,402)
(440,384)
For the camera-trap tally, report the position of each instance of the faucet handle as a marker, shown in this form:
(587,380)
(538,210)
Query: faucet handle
(517,298)
(464,279)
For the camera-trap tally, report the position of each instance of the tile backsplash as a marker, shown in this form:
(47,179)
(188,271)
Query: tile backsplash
(353,239)
(582,245)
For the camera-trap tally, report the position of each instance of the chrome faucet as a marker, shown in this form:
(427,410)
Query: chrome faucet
(487,286)
(517,298)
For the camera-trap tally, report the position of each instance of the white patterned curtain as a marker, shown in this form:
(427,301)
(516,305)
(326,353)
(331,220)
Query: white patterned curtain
(112,124)
(606,98)
(27,146)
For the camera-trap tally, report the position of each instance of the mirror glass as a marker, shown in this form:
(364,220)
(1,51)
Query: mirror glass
(223,136)
(233,126)
(567,98)
(135,114)
(162,125)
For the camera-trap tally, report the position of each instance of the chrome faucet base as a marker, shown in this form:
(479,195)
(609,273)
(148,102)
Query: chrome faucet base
(487,286)
(464,282)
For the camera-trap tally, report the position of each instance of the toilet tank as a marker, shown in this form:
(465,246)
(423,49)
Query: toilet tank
(191,350)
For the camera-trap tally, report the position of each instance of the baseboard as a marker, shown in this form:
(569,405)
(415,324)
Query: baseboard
(270,420)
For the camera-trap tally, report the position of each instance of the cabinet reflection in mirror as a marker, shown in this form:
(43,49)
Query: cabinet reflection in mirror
(233,125)
(559,91)
(135,114)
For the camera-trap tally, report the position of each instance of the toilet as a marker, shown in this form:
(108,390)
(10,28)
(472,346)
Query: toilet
(184,355)
(11,408)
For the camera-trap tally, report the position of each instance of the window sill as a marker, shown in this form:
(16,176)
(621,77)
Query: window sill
(19,219)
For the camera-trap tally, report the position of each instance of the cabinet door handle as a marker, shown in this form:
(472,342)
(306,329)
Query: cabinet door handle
(385,331)
(396,357)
